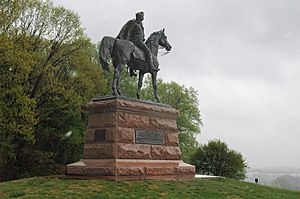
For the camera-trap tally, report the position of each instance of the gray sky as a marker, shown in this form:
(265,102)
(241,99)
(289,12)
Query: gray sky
(241,56)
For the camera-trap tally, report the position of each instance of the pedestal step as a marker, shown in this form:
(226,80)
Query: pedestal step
(126,169)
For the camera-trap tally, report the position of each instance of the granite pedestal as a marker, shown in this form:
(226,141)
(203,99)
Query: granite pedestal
(129,139)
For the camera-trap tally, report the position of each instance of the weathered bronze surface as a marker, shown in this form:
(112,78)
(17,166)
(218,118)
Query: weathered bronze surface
(129,49)
(133,31)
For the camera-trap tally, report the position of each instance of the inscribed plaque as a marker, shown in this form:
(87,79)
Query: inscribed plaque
(149,137)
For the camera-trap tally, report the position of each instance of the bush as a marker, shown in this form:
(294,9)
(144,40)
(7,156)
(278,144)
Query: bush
(215,158)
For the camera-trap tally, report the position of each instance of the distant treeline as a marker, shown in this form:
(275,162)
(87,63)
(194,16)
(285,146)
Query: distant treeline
(276,177)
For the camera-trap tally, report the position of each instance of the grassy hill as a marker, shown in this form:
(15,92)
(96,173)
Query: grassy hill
(48,187)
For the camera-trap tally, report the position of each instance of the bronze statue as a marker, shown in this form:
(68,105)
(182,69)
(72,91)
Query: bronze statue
(128,51)
(133,31)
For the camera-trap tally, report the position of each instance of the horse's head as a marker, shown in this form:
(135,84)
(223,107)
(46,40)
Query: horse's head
(163,41)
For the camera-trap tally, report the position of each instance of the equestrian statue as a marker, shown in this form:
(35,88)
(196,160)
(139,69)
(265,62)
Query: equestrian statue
(129,48)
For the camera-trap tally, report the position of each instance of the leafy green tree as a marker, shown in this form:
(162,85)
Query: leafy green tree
(215,158)
(49,70)
(17,115)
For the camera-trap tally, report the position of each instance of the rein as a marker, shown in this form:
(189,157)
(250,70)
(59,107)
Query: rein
(163,53)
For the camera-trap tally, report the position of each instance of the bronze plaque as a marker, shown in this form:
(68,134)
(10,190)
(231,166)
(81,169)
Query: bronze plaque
(100,135)
(149,137)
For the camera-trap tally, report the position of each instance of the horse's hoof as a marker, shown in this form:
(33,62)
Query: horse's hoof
(115,94)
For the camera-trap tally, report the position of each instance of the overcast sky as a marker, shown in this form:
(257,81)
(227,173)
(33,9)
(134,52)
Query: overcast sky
(241,55)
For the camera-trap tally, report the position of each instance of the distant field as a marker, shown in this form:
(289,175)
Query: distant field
(48,187)
(288,178)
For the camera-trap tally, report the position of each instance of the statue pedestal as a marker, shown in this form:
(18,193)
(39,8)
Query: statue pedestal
(130,139)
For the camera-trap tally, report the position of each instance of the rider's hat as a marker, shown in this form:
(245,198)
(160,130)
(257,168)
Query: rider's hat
(139,14)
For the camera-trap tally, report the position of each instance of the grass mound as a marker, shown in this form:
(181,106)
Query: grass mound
(48,187)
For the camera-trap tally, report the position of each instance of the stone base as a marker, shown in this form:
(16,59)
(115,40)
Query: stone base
(128,139)
(128,169)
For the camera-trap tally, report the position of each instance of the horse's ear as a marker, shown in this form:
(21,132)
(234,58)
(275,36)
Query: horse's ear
(163,30)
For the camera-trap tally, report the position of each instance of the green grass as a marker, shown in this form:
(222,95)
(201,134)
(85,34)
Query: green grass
(47,187)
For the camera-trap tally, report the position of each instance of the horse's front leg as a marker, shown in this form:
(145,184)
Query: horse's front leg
(140,84)
(116,80)
(154,84)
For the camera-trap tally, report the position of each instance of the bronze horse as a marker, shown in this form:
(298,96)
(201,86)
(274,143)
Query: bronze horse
(123,52)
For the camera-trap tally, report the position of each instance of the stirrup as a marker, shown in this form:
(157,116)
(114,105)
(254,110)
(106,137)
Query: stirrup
(133,74)
(155,69)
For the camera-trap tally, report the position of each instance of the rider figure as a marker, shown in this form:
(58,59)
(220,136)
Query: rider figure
(133,31)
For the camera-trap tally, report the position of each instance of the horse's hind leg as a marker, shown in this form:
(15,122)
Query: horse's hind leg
(141,76)
(114,84)
(119,83)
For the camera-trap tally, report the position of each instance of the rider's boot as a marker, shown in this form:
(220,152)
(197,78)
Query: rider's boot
(132,73)
(151,65)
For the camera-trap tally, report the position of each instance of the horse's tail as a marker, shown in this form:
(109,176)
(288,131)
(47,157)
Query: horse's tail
(105,50)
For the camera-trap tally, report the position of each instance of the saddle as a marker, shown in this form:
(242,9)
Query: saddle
(139,54)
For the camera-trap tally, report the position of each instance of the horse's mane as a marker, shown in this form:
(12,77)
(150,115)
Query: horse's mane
(152,37)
